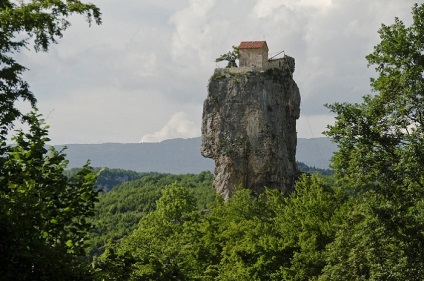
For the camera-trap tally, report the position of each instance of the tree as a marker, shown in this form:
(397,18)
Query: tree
(305,220)
(165,245)
(119,210)
(242,233)
(381,161)
(231,57)
(385,132)
(42,20)
(42,213)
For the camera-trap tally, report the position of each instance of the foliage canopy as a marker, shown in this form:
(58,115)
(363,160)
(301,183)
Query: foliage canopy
(43,214)
(42,20)
(381,160)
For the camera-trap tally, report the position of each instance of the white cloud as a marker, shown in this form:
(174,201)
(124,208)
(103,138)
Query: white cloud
(179,126)
(266,8)
(152,58)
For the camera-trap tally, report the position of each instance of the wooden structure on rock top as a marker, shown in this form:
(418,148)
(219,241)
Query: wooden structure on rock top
(253,54)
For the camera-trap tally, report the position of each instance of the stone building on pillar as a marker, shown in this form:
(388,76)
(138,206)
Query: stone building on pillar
(253,54)
(249,122)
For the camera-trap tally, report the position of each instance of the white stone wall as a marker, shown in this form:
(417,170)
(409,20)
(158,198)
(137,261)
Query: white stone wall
(286,62)
(253,57)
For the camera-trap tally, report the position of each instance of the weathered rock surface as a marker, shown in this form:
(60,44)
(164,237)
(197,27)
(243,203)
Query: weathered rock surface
(249,128)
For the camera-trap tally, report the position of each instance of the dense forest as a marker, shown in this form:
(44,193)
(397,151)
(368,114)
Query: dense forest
(180,221)
(126,201)
(364,221)
(119,210)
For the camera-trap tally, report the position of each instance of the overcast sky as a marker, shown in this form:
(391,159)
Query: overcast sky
(142,75)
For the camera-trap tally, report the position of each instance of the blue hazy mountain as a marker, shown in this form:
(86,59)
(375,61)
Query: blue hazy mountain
(177,155)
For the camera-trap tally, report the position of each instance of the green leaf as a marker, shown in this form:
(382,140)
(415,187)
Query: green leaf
(69,244)
(85,196)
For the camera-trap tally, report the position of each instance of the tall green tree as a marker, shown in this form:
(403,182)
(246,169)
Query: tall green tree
(164,247)
(42,213)
(20,21)
(306,221)
(381,161)
(382,138)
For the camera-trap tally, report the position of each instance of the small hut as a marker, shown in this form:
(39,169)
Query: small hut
(253,54)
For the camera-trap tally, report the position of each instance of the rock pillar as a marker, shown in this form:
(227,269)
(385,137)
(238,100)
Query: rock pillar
(249,128)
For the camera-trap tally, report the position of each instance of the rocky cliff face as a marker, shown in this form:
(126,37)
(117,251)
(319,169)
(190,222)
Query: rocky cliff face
(249,128)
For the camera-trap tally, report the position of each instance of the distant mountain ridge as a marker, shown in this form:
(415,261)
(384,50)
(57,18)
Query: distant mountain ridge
(177,156)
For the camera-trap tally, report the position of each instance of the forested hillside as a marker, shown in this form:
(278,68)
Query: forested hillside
(249,237)
(109,178)
(119,210)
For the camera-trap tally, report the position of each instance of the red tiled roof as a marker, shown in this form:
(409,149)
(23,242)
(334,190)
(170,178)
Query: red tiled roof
(253,45)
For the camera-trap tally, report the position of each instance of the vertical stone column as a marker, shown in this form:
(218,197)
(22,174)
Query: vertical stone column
(249,129)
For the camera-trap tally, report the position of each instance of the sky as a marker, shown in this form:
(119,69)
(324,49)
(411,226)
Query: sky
(142,75)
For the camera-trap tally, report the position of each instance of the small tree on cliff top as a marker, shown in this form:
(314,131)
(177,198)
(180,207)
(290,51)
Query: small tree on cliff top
(231,57)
